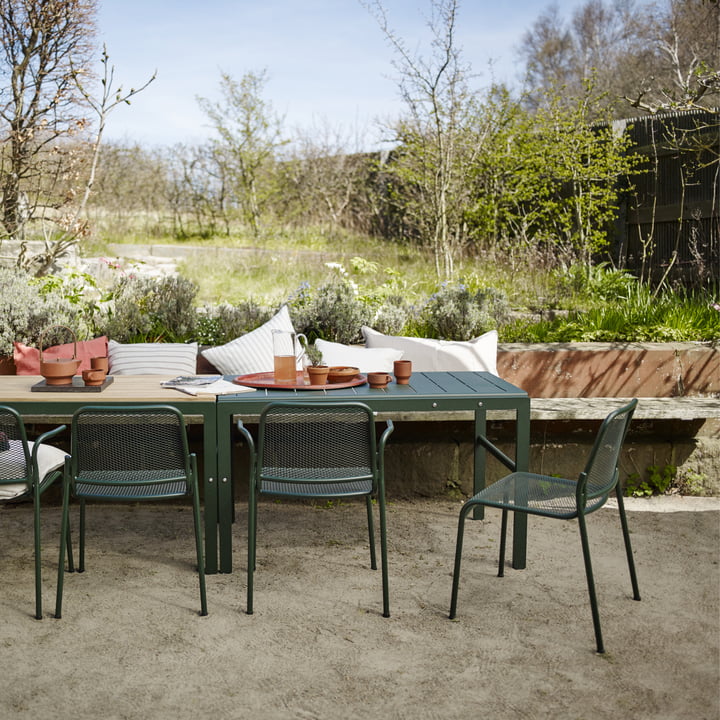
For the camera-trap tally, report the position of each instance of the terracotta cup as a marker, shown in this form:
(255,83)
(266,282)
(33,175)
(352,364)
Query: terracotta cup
(378,379)
(402,370)
(99,363)
(94,377)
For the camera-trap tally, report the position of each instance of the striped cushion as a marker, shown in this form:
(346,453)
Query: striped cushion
(152,358)
(250,353)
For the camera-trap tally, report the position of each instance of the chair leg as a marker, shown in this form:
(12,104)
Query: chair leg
(503,543)
(81,564)
(458,556)
(71,564)
(628,547)
(383,554)
(38,550)
(64,537)
(199,551)
(252,539)
(590,583)
(371,532)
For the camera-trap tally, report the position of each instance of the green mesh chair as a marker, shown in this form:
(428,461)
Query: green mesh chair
(27,469)
(318,450)
(130,453)
(554,497)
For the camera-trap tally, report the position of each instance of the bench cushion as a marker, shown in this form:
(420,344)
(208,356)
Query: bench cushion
(152,358)
(429,355)
(252,352)
(365,359)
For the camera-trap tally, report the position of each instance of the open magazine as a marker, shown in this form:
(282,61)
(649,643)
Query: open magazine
(191,380)
(204,385)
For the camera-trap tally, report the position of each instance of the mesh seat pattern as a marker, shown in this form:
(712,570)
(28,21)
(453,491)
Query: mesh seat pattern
(535,494)
(129,455)
(316,451)
(13,461)
(601,472)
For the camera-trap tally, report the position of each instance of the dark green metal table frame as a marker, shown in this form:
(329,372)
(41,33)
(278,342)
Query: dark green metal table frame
(427,393)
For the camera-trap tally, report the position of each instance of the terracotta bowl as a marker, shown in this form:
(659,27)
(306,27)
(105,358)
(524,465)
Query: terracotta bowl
(342,373)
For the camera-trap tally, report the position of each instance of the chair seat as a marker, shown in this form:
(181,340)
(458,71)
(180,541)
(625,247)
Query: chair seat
(537,495)
(119,485)
(315,489)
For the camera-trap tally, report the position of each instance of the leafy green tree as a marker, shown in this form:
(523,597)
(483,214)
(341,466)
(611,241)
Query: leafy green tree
(249,134)
(551,178)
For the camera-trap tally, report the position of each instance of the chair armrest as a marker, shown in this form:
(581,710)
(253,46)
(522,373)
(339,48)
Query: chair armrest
(42,438)
(389,429)
(251,444)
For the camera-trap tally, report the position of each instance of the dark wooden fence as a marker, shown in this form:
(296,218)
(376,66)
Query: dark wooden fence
(670,222)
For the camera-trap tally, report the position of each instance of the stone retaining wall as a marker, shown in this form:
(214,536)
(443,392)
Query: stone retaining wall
(612,369)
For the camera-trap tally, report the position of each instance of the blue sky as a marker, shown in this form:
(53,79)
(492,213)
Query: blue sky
(328,62)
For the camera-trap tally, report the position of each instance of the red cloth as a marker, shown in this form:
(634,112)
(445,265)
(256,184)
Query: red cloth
(27,359)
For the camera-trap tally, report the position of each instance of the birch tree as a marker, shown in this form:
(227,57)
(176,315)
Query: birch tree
(438,141)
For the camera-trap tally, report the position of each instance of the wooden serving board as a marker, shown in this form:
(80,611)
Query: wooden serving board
(78,386)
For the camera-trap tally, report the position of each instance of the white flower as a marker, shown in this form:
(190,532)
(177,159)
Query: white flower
(337,266)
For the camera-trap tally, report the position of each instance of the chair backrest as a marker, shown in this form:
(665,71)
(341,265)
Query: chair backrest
(601,472)
(149,442)
(317,442)
(14,451)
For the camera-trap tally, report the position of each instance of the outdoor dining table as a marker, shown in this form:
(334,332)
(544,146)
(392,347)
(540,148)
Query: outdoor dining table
(58,406)
(427,396)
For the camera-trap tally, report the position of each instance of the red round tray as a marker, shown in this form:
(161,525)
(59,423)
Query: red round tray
(266,380)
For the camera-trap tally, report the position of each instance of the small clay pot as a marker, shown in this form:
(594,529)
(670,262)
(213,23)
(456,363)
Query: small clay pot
(402,370)
(99,363)
(318,374)
(378,379)
(94,377)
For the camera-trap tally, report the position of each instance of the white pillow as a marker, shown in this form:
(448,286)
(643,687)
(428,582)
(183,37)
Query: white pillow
(376,360)
(49,458)
(252,352)
(152,358)
(428,355)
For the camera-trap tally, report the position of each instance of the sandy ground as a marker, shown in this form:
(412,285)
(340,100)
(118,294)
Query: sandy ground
(131,643)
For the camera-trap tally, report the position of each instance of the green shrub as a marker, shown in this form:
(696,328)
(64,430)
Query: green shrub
(455,312)
(146,309)
(639,317)
(219,324)
(392,315)
(657,481)
(599,281)
(333,312)
(26,313)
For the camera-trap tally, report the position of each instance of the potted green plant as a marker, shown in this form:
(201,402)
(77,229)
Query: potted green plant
(317,370)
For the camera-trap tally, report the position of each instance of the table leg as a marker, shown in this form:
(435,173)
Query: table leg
(225,492)
(522,461)
(210,504)
(479,463)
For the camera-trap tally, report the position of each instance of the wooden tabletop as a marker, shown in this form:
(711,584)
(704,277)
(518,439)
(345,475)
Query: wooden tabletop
(124,388)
